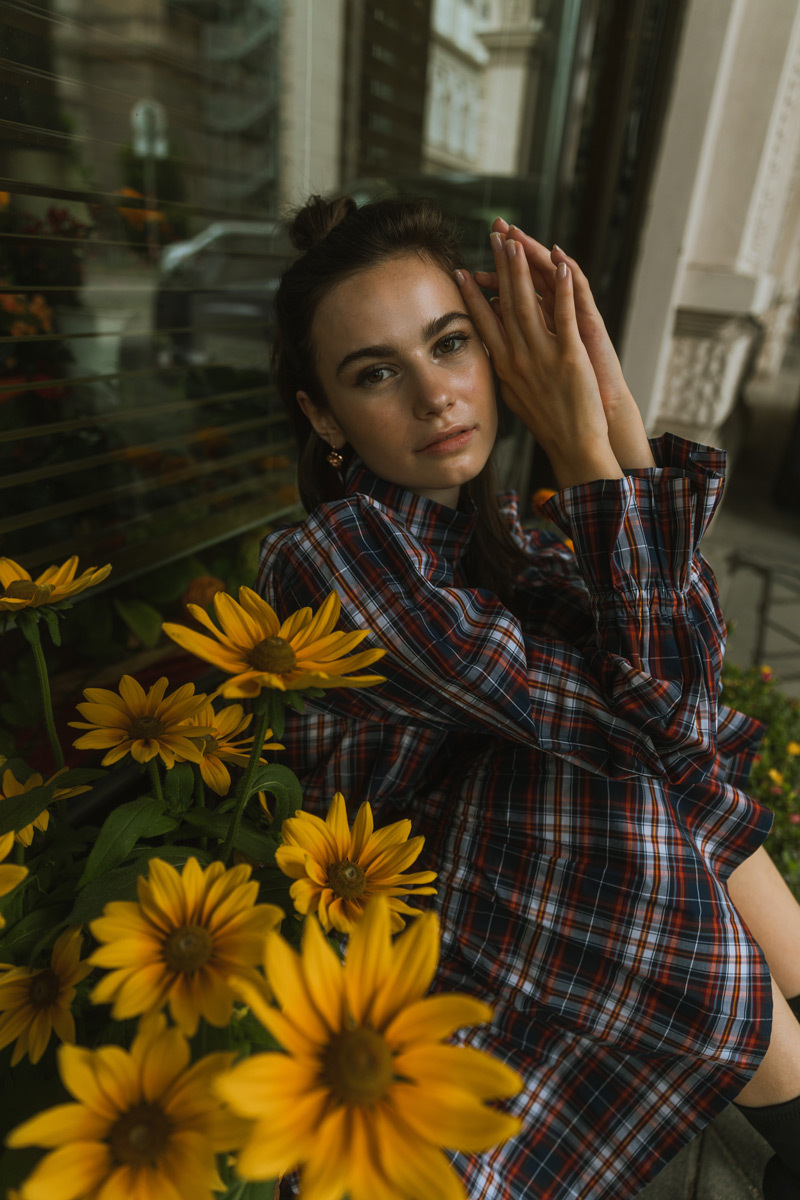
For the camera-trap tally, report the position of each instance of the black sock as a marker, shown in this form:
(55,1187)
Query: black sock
(794,1005)
(779,1126)
(779,1182)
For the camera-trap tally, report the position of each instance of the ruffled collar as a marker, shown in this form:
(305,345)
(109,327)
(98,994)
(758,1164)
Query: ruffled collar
(446,531)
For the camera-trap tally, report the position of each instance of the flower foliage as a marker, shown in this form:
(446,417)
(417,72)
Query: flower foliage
(11,874)
(225,743)
(34,1003)
(20,590)
(338,870)
(775,776)
(257,651)
(144,725)
(11,786)
(142,1123)
(367,1095)
(183,944)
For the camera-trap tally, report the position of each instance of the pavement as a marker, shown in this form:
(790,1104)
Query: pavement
(726,1161)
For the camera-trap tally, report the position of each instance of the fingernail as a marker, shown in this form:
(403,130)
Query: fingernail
(459,278)
(561,270)
(511,248)
(558,249)
(497,242)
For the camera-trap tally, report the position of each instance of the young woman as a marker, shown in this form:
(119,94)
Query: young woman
(550,719)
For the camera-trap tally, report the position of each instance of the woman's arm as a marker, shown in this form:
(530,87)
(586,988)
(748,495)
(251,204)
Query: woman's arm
(634,694)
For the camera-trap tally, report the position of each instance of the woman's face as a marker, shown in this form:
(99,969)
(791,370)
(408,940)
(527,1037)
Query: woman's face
(406,377)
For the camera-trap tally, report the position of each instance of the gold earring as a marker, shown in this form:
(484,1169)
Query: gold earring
(334,458)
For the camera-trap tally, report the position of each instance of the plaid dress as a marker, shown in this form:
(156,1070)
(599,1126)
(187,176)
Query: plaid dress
(579,788)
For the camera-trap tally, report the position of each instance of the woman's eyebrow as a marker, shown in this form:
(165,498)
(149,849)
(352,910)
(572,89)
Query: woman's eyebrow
(426,333)
(439,323)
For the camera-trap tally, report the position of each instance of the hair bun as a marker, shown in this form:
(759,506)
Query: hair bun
(313,222)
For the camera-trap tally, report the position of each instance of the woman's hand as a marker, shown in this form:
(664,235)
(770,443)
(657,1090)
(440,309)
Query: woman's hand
(544,369)
(625,427)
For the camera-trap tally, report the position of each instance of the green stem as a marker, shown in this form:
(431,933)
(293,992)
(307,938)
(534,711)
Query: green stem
(35,641)
(156,778)
(200,798)
(19,853)
(199,788)
(243,790)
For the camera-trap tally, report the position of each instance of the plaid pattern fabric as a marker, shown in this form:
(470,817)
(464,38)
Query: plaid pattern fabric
(579,788)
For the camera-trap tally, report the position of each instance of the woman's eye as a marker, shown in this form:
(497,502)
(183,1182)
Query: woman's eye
(452,342)
(373,375)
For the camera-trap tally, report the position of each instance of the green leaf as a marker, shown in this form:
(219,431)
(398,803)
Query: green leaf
(142,619)
(249,840)
(120,884)
(120,832)
(78,776)
(295,700)
(179,787)
(17,938)
(176,855)
(255,844)
(162,824)
(52,624)
(18,811)
(281,783)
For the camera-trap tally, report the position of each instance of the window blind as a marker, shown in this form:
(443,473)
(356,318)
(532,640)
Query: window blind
(139,256)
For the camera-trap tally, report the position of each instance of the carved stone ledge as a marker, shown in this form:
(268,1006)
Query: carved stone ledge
(709,355)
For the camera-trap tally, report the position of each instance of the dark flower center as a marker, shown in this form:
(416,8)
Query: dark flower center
(26,589)
(274,654)
(145,727)
(44,989)
(347,879)
(209,744)
(188,948)
(358,1066)
(139,1136)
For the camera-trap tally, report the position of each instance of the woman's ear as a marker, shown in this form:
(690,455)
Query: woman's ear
(321,421)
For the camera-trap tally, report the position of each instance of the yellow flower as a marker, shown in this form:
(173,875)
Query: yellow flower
(337,871)
(34,1003)
(145,1124)
(793,748)
(775,776)
(225,744)
(183,944)
(258,651)
(143,726)
(10,873)
(18,590)
(12,787)
(366,1095)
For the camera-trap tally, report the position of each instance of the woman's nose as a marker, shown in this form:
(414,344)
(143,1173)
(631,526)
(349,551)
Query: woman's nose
(432,394)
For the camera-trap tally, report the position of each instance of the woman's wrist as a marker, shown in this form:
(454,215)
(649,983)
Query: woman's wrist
(587,465)
(626,433)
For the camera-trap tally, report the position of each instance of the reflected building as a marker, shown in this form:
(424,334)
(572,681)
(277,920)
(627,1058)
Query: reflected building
(385,72)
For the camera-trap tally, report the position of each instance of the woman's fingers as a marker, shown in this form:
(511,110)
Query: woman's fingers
(565,316)
(487,321)
(526,307)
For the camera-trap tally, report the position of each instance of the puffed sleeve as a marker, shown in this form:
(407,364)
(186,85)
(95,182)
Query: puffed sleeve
(635,694)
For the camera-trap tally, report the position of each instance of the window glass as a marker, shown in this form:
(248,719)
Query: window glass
(148,149)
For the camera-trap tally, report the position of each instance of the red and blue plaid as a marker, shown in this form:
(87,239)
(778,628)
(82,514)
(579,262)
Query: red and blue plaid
(579,787)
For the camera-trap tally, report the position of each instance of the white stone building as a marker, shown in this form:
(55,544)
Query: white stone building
(717,273)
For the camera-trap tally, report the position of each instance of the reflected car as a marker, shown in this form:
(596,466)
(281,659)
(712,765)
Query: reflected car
(218,288)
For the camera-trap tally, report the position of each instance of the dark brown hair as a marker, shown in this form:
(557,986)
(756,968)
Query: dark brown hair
(337,238)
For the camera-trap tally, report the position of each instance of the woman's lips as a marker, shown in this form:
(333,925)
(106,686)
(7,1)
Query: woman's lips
(457,440)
